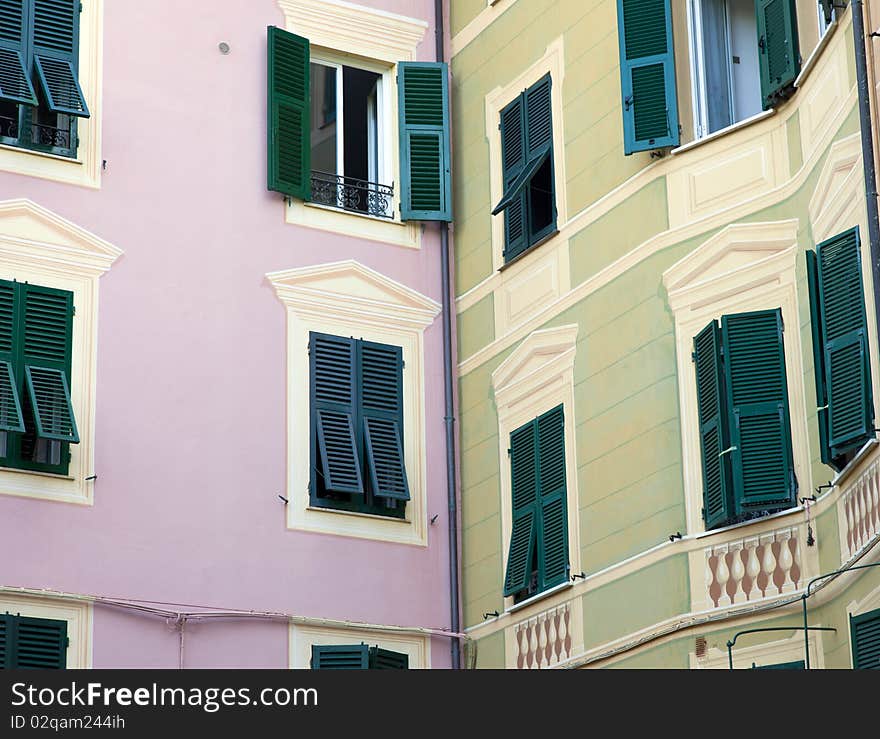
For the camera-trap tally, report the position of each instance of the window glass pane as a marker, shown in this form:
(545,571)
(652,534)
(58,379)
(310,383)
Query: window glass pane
(358,90)
(324,119)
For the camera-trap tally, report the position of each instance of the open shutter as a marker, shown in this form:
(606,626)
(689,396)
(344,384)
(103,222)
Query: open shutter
(818,357)
(40,644)
(15,83)
(865,638)
(385,659)
(757,396)
(513,159)
(714,435)
(340,657)
(56,55)
(332,360)
(845,342)
(647,75)
(539,146)
(778,56)
(48,327)
(524,488)
(5,641)
(553,535)
(11,418)
(289,147)
(382,408)
(425,175)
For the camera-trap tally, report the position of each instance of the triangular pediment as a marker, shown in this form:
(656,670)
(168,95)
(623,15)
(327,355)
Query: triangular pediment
(340,287)
(535,355)
(30,231)
(839,193)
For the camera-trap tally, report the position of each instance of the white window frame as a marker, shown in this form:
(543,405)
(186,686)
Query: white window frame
(302,637)
(823,26)
(77,614)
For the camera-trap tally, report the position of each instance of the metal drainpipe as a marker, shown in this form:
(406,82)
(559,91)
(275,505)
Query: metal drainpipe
(449,417)
(859,41)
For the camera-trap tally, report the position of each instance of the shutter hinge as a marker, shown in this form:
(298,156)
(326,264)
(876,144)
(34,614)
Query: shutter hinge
(703,513)
(509,451)
(402,363)
(693,356)
(73,311)
(67,638)
(80,7)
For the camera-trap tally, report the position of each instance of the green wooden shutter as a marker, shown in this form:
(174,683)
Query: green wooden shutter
(818,358)
(41,644)
(11,418)
(798,665)
(340,657)
(757,397)
(846,358)
(5,639)
(553,566)
(48,329)
(15,83)
(647,75)
(865,638)
(381,394)
(425,163)
(539,145)
(778,55)
(385,659)
(289,146)
(56,55)
(714,434)
(513,161)
(524,489)
(334,402)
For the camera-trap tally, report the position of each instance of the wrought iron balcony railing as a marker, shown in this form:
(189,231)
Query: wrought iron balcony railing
(42,135)
(350,193)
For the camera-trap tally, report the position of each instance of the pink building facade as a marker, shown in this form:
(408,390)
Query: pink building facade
(201,519)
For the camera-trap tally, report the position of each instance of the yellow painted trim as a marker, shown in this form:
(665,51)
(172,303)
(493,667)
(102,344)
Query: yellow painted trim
(301,639)
(348,299)
(39,246)
(85,170)
(77,615)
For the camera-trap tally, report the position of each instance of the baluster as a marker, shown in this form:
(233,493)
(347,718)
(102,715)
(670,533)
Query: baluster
(533,643)
(874,484)
(553,646)
(524,647)
(722,575)
(768,564)
(753,567)
(859,516)
(710,577)
(785,560)
(797,558)
(870,526)
(737,572)
(850,524)
(563,632)
(542,640)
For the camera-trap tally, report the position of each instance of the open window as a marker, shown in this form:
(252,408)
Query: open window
(744,59)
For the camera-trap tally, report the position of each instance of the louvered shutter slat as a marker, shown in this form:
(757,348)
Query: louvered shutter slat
(11,418)
(757,398)
(15,83)
(778,57)
(647,71)
(5,628)
(40,644)
(385,659)
(289,146)
(825,452)
(332,360)
(553,538)
(425,170)
(56,47)
(513,157)
(340,657)
(717,503)
(525,499)
(865,636)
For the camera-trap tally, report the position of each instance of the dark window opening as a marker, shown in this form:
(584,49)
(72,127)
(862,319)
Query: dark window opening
(541,207)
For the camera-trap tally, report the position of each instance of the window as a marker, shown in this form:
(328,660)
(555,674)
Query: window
(529,201)
(37,422)
(865,638)
(40,94)
(827,15)
(357,657)
(32,643)
(745,436)
(538,554)
(357,426)
(840,348)
(329,132)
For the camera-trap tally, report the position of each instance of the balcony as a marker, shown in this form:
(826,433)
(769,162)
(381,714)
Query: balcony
(55,139)
(353,195)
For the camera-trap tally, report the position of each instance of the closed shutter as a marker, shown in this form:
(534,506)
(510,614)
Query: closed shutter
(647,75)
(340,657)
(844,337)
(15,83)
(524,489)
(757,396)
(48,327)
(5,633)
(778,55)
(33,643)
(553,534)
(56,55)
(385,659)
(819,359)
(289,147)
(11,418)
(423,112)
(865,636)
(381,376)
(513,161)
(714,436)
(334,403)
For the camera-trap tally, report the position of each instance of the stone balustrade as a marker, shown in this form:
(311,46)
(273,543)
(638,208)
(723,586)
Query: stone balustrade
(858,509)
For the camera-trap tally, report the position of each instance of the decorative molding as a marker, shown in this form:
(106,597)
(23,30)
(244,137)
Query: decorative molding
(542,357)
(357,29)
(835,204)
(348,299)
(301,639)
(493,9)
(85,170)
(39,246)
(77,615)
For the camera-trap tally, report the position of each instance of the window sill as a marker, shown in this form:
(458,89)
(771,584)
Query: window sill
(359,225)
(359,514)
(539,596)
(38,153)
(746,122)
(39,473)
(853,463)
(810,64)
(751,522)
(523,254)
